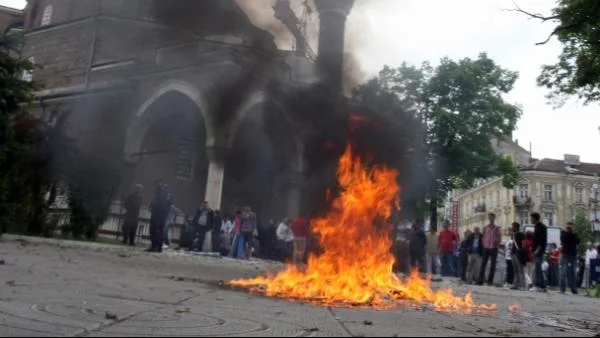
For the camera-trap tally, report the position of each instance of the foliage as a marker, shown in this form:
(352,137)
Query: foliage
(577,71)
(460,109)
(92,183)
(18,135)
(583,228)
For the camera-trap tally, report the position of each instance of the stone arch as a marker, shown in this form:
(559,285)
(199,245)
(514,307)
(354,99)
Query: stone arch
(144,117)
(257,98)
(272,178)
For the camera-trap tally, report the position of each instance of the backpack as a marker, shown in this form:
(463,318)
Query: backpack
(248,222)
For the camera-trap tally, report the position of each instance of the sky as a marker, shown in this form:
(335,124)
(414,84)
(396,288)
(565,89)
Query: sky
(389,32)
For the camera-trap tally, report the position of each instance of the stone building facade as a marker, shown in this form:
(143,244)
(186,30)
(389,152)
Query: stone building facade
(557,189)
(184,95)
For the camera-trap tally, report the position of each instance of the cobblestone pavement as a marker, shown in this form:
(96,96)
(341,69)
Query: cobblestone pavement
(101,291)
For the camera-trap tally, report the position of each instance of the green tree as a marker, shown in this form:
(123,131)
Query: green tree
(583,227)
(577,71)
(461,109)
(17,136)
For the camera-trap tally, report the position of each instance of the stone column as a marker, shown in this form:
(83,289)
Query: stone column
(216,173)
(297,182)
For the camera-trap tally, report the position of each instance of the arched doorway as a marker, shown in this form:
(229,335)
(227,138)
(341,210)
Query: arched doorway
(264,157)
(172,149)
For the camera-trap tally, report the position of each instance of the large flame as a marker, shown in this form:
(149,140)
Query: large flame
(355,267)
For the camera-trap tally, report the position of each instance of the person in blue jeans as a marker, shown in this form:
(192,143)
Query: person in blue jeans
(568,263)
(446,242)
(540,241)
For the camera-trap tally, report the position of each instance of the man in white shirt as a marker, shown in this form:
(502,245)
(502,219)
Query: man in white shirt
(285,239)
(590,254)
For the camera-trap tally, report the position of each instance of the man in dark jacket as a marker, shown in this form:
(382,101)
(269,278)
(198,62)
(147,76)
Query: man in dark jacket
(204,221)
(417,245)
(568,263)
(475,252)
(160,207)
(216,230)
(540,241)
(133,204)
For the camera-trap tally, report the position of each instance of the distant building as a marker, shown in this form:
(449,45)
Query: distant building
(557,189)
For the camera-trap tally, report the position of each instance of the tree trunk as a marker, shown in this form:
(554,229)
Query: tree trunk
(433,199)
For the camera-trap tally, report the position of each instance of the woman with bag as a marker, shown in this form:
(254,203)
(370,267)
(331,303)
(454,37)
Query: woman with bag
(518,255)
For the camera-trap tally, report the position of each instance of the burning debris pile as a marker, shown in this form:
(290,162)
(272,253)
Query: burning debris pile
(355,267)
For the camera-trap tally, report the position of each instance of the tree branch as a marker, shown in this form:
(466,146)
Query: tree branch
(532,15)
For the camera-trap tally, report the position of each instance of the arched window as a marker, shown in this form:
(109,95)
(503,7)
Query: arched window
(47,15)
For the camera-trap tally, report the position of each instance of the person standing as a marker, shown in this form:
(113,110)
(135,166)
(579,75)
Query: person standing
(285,240)
(417,245)
(203,221)
(519,258)
(168,226)
(217,224)
(446,241)
(301,231)
(590,256)
(248,226)
(540,241)
(160,207)
(432,252)
(569,242)
(554,271)
(509,276)
(133,204)
(475,252)
(491,243)
(463,258)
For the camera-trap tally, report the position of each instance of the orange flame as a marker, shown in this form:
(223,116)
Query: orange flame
(355,268)
(514,307)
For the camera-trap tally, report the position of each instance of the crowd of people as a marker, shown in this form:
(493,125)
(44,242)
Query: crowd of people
(531,262)
(238,236)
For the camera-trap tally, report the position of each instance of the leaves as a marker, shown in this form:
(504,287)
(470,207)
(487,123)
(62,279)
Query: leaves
(577,71)
(460,107)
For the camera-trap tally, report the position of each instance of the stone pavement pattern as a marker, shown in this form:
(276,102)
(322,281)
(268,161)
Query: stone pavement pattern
(46,290)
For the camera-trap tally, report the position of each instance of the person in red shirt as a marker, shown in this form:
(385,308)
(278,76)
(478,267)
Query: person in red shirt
(301,230)
(553,275)
(446,242)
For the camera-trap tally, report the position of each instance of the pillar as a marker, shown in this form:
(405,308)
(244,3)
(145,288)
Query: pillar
(332,31)
(216,173)
(297,182)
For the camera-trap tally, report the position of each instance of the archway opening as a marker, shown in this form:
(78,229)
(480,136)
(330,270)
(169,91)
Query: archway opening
(173,151)
(261,163)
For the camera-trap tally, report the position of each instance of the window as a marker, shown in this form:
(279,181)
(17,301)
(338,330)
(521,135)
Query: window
(549,218)
(27,74)
(548,192)
(523,217)
(523,190)
(47,15)
(579,195)
(497,198)
(185,159)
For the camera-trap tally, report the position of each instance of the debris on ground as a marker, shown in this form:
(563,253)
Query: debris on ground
(2,262)
(110,316)
(184,310)
(313,329)
(368,322)
(11,283)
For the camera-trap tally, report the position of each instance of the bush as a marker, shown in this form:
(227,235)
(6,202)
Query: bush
(92,185)
(583,227)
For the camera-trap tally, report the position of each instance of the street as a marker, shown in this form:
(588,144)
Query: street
(102,291)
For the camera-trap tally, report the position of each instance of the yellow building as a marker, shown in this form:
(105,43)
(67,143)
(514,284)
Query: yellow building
(557,189)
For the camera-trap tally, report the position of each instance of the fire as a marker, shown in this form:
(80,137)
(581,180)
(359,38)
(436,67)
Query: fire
(355,267)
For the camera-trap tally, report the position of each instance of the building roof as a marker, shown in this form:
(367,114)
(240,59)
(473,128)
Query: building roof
(559,166)
(11,10)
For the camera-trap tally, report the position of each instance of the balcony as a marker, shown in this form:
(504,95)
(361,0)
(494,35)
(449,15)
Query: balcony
(522,202)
